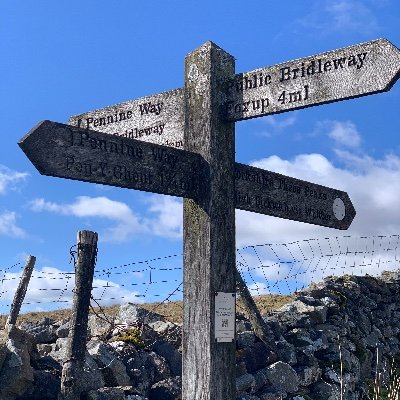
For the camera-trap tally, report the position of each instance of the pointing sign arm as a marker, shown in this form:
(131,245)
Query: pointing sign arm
(68,152)
(269,193)
(354,71)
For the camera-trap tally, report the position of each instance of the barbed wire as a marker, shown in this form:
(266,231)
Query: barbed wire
(284,268)
(274,268)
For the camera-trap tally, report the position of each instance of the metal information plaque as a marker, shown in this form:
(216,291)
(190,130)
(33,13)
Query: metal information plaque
(225,311)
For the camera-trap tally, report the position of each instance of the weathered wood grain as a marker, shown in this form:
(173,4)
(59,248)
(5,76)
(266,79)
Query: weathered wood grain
(156,119)
(72,379)
(208,229)
(68,152)
(21,291)
(270,193)
(346,73)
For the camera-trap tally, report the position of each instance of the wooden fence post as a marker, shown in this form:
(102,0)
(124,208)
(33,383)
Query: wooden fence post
(208,229)
(260,328)
(71,379)
(21,291)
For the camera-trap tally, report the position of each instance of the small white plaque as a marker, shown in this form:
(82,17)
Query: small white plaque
(225,310)
(339,209)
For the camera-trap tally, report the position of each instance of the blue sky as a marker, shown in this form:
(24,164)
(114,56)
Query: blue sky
(60,59)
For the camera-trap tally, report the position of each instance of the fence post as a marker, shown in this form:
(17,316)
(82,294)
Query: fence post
(72,380)
(21,291)
(261,329)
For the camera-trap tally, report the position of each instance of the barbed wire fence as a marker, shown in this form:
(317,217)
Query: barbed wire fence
(285,268)
(278,269)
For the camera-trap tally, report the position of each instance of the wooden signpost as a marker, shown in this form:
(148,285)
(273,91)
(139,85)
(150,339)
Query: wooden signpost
(156,119)
(354,71)
(65,151)
(200,118)
(269,193)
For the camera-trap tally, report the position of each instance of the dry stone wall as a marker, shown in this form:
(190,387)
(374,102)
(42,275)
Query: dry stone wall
(327,340)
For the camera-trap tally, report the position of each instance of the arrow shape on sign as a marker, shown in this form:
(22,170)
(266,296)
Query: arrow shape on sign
(156,119)
(270,193)
(68,152)
(354,71)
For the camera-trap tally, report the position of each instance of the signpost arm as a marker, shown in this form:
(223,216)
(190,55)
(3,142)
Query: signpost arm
(208,229)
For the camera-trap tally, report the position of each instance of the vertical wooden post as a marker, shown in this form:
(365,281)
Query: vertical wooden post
(209,228)
(260,328)
(21,291)
(71,379)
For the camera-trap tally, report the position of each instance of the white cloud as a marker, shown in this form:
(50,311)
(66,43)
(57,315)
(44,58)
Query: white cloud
(51,288)
(340,16)
(351,15)
(8,225)
(373,186)
(374,189)
(278,123)
(258,288)
(167,220)
(343,133)
(10,179)
(127,223)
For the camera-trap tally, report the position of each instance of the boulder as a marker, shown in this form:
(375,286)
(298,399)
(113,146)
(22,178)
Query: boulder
(325,391)
(107,358)
(45,386)
(98,327)
(132,314)
(282,377)
(116,393)
(255,357)
(43,331)
(245,383)
(16,372)
(169,389)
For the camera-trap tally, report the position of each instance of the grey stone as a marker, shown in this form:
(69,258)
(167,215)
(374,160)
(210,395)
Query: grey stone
(44,349)
(46,385)
(256,357)
(308,375)
(161,327)
(261,379)
(16,374)
(325,391)
(132,314)
(113,369)
(247,396)
(97,327)
(63,330)
(373,339)
(273,396)
(245,339)
(282,377)
(316,313)
(245,383)
(43,331)
(169,389)
(116,393)
(171,355)
(59,349)
(144,368)
(286,351)
(92,377)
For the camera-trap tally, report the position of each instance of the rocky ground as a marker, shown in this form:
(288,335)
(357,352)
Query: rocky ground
(327,337)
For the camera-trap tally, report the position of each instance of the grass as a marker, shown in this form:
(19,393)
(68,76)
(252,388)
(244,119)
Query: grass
(172,311)
(389,390)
